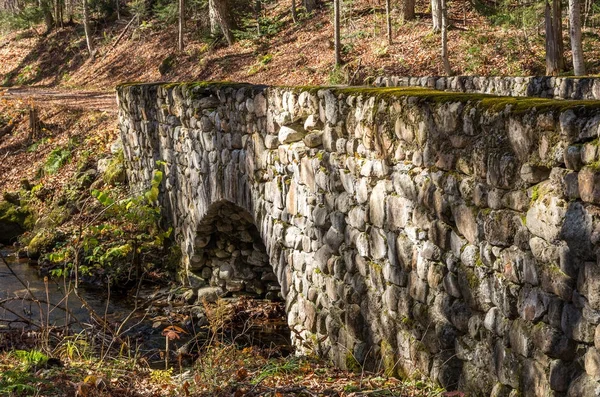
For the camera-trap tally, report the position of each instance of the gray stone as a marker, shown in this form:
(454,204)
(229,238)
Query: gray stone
(534,174)
(290,134)
(314,139)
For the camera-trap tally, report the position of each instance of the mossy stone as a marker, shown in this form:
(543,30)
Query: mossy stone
(14,220)
(42,242)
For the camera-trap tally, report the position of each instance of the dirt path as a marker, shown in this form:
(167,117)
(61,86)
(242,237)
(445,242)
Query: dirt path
(90,100)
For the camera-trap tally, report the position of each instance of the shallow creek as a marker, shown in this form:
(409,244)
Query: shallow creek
(155,312)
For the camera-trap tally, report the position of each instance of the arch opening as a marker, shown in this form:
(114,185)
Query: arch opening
(230,256)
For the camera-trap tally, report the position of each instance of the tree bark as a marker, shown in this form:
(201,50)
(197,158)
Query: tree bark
(294,13)
(408,10)
(552,67)
(558,33)
(575,35)
(436,15)
(212,16)
(336,32)
(445,61)
(258,11)
(221,15)
(86,28)
(310,5)
(47,12)
(388,14)
(180,30)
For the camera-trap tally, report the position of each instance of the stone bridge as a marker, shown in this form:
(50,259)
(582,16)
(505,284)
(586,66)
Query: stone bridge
(453,236)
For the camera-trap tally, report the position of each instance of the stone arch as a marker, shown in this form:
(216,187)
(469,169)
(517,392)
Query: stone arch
(230,257)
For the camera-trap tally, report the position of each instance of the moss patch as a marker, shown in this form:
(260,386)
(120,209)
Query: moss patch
(352,364)
(388,358)
(42,242)
(14,220)
(115,172)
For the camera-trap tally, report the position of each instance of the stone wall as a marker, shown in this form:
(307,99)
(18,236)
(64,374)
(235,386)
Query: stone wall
(537,86)
(447,235)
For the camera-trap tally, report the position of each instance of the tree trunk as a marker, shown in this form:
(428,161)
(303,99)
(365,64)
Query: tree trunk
(336,32)
(310,5)
(118,6)
(436,15)
(558,36)
(221,15)
(552,67)
(445,61)
(86,28)
(212,16)
(408,10)
(258,11)
(388,14)
(180,30)
(575,34)
(294,13)
(47,12)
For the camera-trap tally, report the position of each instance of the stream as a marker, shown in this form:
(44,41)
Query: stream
(22,310)
(143,327)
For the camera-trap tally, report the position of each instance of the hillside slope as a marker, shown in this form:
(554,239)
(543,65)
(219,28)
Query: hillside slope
(288,53)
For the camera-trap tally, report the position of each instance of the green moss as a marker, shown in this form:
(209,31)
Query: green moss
(388,358)
(115,173)
(479,262)
(535,193)
(352,364)
(407,321)
(17,215)
(471,276)
(376,267)
(42,242)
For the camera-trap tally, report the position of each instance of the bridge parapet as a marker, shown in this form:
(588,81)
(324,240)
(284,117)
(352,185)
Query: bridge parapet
(450,235)
(529,86)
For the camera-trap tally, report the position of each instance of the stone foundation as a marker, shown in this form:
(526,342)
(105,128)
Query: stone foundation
(447,235)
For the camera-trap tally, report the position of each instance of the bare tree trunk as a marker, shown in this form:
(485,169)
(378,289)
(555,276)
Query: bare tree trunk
(258,11)
(436,15)
(181,22)
(575,34)
(558,36)
(336,33)
(388,14)
(47,11)
(118,6)
(212,16)
(221,15)
(408,10)
(86,28)
(445,61)
(552,67)
(294,13)
(310,5)
(56,5)
(61,13)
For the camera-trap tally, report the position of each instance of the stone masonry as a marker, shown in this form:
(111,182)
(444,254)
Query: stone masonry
(536,86)
(448,235)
